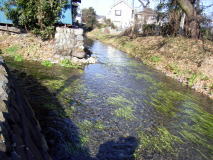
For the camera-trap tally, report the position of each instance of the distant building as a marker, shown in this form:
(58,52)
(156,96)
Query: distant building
(78,18)
(147,16)
(121,14)
(100,19)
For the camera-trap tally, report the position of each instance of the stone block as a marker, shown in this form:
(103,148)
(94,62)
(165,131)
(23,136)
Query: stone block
(80,38)
(78,31)
(79,54)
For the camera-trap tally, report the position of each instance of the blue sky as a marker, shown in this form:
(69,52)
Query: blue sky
(102,6)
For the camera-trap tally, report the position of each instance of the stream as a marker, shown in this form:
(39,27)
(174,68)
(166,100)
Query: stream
(119,109)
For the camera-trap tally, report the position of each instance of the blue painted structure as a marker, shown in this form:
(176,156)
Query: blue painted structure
(3,18)
(66,16)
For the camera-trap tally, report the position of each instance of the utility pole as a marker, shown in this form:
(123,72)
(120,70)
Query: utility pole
(133,8)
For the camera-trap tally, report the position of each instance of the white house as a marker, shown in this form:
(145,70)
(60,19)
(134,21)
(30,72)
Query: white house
(121,14)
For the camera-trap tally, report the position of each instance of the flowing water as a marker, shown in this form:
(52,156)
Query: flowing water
(125,110)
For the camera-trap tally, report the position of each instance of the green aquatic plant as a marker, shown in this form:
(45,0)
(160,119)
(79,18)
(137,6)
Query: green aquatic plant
(146,77)
(199,128)
(161,142)
(18,58)
(70,110)
(84,139)
(166,101)
(91,95)
(99,125)
(53,84)
(119,101)
(47,63)
(85,125)
(125,112)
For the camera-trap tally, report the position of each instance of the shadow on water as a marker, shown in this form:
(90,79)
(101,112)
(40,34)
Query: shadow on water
(123,149)
(62,135)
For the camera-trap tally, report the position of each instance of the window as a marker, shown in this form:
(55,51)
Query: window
(117,12)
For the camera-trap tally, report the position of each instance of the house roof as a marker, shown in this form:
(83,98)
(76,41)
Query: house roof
(118,2)
(146,11)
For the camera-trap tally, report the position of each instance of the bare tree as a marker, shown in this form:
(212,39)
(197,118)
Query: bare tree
(193,17)
(134,30)
(144,3)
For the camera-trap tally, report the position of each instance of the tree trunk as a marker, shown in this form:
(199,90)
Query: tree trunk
(193,28)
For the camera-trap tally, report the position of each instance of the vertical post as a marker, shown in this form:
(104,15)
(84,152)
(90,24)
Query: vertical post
(133,8)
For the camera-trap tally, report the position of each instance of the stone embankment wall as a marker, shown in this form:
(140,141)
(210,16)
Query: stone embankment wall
(69,42)
(20,132)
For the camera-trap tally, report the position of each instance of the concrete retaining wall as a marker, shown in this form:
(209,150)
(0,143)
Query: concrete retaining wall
(20,132)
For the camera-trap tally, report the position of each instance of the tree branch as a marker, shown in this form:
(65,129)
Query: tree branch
(143,3)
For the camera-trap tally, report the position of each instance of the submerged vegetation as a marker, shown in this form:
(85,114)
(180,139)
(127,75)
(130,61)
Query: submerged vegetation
(161,141)
(125,112)
(125,107)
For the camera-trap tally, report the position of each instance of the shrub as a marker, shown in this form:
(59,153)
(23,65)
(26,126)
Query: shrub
(37,16)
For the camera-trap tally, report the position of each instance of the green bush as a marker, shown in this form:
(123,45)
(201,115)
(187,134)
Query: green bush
(36,16)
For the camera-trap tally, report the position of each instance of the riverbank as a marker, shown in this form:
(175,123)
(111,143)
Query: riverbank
(29,47)
(186,60)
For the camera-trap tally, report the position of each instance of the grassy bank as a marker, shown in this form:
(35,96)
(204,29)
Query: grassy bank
(28,47)
(186,60)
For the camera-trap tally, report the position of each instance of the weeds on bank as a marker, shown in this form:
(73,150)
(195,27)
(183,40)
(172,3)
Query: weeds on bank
(12,50)
(47,63)
(155,59)
(68,64)
(18,58)
(173,68)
